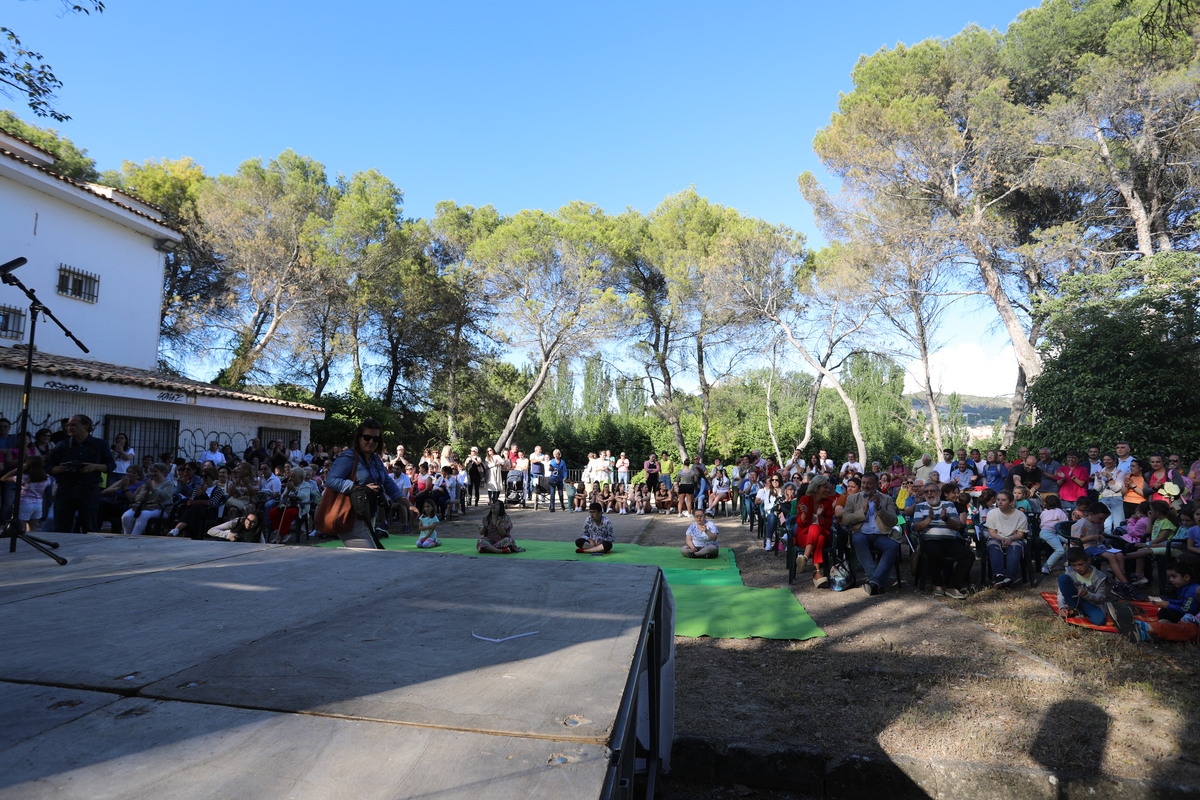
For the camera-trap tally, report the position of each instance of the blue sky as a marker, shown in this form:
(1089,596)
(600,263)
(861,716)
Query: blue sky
(521,105)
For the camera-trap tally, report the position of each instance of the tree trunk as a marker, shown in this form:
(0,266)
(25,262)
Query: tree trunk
(812,412)
(518,411)
(705,399)
(1026,353)
(1133,201)
(770,415)
(1017,412)
(452,384)
(664,405)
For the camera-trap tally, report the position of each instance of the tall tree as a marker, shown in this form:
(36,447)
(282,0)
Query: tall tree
(554,277)
(263,222)
(69,160)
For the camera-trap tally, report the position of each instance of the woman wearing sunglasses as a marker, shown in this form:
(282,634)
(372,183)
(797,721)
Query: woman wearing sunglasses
(360,466)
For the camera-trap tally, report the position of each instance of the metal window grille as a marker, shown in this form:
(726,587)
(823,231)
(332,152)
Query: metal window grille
(147,437)
(78,284)
(285,435)
(12,323)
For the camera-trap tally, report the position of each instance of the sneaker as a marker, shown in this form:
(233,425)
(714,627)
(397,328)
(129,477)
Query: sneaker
(801,563)
(1126,625)
(954,594)
(871,588)
(1123,591)
(1045,570)
(820,581)
(938,592)
(767,544)
(1140,580)
(1002,582)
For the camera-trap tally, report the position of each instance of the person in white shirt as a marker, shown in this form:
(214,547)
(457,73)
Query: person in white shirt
(944,467)
(213,454)
(851,465)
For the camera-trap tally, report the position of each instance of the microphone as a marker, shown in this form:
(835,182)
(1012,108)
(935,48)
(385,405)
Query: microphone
(11,265)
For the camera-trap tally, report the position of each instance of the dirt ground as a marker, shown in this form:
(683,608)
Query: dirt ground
(996,678)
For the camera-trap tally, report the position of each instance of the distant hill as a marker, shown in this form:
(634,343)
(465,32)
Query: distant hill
(977,410)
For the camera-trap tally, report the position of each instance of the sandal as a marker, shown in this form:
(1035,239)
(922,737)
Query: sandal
(820,581)
(801,563)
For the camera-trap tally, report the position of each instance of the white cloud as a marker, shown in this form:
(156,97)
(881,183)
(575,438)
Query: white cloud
(983,368)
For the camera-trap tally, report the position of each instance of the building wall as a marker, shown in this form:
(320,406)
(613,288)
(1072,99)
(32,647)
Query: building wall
(122,326)
(198,424)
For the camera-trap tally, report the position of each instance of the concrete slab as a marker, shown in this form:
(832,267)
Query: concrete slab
(136,748)
(96,558)
(30,710)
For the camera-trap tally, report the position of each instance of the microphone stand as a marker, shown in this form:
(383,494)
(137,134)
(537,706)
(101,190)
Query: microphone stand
(14,528)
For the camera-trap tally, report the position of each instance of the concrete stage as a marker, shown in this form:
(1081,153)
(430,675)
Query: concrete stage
(151,668)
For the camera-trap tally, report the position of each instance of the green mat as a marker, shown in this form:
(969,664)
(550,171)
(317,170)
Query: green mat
(710,599)
(664,557)
(739,612)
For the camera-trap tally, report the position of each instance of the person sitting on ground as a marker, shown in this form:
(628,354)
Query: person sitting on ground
(870,516)
(700,539)
(664,497)
(1006,529)
(598,533)
(246,528)
(579,501)
(620,497)
(1052,515)
(427,537)
(642,500)
(814,525)
(1082,589)
(606,498)
(495,534)
(1176,619)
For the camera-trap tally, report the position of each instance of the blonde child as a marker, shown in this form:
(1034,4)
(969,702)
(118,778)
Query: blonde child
(427,536)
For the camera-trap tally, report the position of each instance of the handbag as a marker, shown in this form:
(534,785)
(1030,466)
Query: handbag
(335,514)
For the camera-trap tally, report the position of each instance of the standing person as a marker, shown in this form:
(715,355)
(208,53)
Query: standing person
(623,470)
(700,539)
(1049,467)
(1071,480)
(537,471)
(122,453)
(358,471)
(923,471)
(494,464)
(474,466)
(687,489)
(558,479)
(944,467)
(213,454)
(1027,474)
(994,472)
(870,516)
(598,533)
(1006,527)
(651,467)
(1108,483)
(76,464)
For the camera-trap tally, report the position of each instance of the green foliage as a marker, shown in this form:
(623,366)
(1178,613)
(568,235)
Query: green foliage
(69,161)
(1123,359)
(25,72)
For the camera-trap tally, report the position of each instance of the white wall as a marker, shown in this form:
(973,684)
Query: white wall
(122,326)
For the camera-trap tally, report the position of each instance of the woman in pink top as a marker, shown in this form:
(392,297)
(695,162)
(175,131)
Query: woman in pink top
(1072,482)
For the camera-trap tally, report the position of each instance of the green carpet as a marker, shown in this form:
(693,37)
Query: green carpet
(739,612)
(664,557)
(710,599)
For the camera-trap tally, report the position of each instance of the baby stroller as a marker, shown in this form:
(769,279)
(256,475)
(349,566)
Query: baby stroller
(541,491)
(514,491)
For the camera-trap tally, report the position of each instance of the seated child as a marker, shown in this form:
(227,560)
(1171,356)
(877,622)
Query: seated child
(580,500)
(427,536)
(606,498)
(1176,619)
(1082,589)
(620,499)
(1052,514)
(597,533)
(1090,533)
(1164,525)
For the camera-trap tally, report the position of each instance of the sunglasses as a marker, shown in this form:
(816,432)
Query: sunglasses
(369,438)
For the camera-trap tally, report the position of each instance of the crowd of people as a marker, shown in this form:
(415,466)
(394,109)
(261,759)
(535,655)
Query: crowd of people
(1102,518)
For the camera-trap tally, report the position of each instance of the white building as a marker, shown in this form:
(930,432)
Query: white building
(95,258)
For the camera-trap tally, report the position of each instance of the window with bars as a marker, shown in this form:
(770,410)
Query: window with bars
(265,435)
(147,437)
(12,323)
(78,284)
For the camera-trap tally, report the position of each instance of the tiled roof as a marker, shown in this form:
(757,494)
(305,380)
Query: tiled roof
(83,187)
(62,366)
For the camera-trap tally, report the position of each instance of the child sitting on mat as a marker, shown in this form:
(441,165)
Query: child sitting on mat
(495,535)
(1176,620)
(1082,589)
(700,540)
(597,533)
(428,533)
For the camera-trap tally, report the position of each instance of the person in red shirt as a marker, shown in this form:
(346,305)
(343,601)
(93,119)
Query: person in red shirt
(1072,479)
